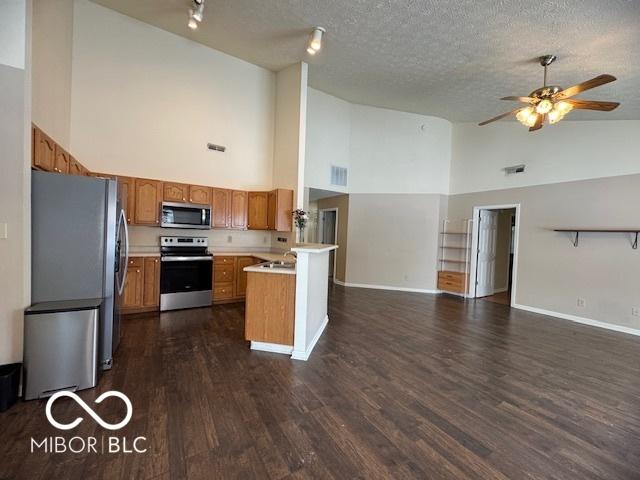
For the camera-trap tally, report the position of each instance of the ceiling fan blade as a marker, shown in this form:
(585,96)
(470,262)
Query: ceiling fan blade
(521,99)
(500,116)
(538,124)
(581,87)
(592,104)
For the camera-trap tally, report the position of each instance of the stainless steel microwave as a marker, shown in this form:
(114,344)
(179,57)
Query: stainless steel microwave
(185,215)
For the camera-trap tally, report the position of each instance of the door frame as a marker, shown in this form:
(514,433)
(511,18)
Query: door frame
(321,230)
(474,247)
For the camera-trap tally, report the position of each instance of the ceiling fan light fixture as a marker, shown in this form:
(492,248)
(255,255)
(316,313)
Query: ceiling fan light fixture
(527,116)
(544,106)
(554,116)
(563,107)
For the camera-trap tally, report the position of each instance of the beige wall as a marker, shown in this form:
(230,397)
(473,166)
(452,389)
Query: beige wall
(393,240)
(52,48)
(552,274)
(503,247)
(146,102)
(340,202)
(14,186)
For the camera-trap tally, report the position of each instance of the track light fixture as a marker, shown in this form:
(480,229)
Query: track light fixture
(196,13)
(315,41)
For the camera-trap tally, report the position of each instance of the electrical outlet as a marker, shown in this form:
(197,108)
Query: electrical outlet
(282,239)
(4,231)
(635,311)
(229,239)
(581,302)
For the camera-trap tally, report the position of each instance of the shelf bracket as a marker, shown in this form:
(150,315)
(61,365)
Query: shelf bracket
(635,243)
(575,242)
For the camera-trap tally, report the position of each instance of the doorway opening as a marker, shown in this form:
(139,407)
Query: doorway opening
(495,247)
(328,234)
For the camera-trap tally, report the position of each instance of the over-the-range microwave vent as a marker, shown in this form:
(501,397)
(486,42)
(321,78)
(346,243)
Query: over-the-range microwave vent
(338,176)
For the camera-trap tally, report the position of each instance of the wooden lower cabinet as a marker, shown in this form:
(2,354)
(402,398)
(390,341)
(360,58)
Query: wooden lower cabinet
(229,278)
(142,286)
(450,281)
(270,308)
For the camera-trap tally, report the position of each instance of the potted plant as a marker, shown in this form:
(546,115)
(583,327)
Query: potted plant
(300,218)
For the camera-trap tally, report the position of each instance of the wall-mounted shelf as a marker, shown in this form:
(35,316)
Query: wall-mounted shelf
(578,230)
(454,248)
(444,260)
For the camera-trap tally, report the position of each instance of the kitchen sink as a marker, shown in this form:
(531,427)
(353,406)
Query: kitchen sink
(279,264)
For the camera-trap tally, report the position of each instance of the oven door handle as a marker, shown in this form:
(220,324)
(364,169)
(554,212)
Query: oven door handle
(207,258)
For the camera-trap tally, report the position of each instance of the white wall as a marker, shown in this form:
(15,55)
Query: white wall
(398,152)
(52,48)
(14,181)
(12,33)
(558,153)
(145,103)
(328,139)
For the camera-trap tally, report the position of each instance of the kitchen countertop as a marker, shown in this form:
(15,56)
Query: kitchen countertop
(266,256)
(278,271)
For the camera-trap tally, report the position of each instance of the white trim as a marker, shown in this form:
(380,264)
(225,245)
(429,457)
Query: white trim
(575,318)
(272,347)
(500,290)
(305,355)
(386,287)
(320,233)
(474,248)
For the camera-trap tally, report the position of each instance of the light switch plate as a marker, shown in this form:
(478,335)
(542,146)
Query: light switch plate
(4,231)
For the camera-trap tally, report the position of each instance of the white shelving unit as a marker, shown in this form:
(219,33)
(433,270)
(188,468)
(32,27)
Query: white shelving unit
(455,256)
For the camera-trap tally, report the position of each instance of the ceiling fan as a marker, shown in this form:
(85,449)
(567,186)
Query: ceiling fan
(552,103)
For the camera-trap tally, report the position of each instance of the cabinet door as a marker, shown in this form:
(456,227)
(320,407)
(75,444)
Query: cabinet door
(75,167)
(272,208)
(175,192)
(147,201)
(257,211)
(200,195)
(44,151)
(283,211)
(61,164)
(238,209)
(241,275)
(133,284)
(151,294)
(126,194)
(221,207)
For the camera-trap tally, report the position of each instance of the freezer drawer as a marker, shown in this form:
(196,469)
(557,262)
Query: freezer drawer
(61,347)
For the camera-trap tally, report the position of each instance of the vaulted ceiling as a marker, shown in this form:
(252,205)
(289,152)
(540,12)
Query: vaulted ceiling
(447,58)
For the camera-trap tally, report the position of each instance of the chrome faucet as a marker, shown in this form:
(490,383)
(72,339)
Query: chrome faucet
(290,253)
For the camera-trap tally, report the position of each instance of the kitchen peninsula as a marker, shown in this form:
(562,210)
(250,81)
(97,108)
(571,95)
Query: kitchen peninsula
(286,303)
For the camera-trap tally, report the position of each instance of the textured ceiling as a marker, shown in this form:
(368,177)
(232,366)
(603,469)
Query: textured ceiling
(448,58)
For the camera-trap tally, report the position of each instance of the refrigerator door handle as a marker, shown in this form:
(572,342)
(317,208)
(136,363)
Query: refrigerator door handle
(123,222)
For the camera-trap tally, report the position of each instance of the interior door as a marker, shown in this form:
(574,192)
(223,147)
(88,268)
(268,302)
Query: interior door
(329,235)
(486,260)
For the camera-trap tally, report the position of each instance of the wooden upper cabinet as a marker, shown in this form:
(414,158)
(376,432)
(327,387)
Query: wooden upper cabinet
(151,291)
(148,195)
(200,195)
(76,168)
(281,210)
(221,205)
(44,151)
(175,192)
(127,197)
(239,209)
(258,211)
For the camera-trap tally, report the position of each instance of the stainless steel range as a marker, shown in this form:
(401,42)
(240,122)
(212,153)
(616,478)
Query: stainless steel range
(185,273)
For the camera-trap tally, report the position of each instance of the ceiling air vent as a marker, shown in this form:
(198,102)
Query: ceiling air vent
(338,176)
(513,170)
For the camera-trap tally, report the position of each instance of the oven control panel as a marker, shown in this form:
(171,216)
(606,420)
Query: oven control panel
(184,242)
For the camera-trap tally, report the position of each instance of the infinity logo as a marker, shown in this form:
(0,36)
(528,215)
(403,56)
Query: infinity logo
(94,415)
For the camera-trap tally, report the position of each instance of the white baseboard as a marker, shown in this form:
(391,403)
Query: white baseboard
(385,287)
(272,347)
(306,354)
(500,290)
(583,320)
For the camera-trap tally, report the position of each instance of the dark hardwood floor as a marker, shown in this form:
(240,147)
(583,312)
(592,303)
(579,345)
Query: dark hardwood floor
(400,386)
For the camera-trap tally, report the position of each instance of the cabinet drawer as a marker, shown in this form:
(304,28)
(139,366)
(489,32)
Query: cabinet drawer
(450,286)
(451,276)
(222,291)
(224,260)
(136,262)
(223,273)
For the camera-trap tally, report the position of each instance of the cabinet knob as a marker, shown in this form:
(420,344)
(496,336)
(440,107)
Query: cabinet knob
(137,271)
(156,260)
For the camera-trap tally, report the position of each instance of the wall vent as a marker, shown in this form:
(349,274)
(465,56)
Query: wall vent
(338,176)
(513,170)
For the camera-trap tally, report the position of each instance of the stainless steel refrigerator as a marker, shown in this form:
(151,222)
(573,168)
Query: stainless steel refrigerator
(79,247)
